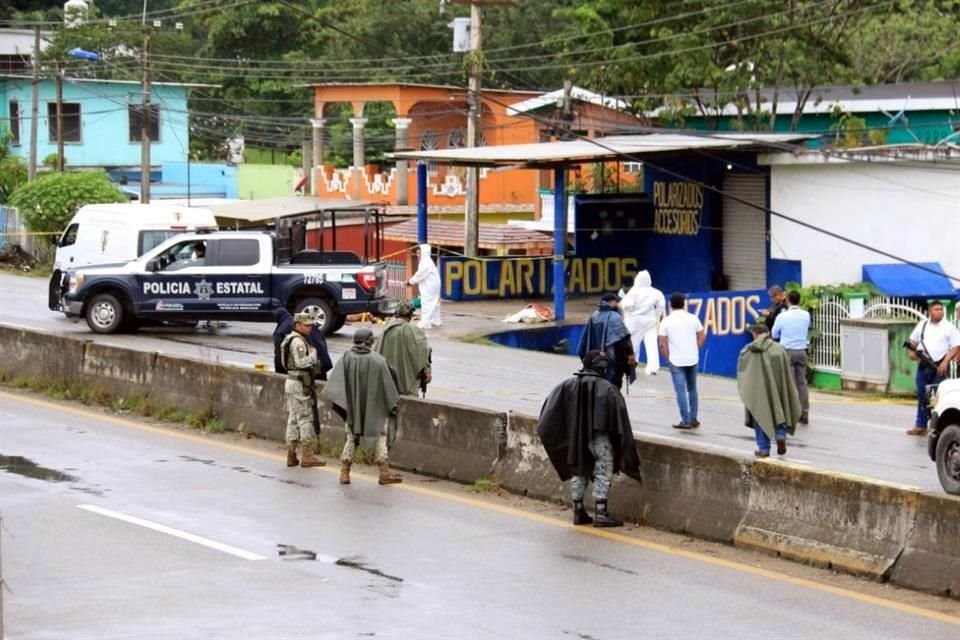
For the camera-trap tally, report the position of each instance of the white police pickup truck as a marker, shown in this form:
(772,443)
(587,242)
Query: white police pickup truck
(223,275)
(943,439)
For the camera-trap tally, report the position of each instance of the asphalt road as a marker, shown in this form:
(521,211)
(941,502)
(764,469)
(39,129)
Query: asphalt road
(113,528)
(861,437)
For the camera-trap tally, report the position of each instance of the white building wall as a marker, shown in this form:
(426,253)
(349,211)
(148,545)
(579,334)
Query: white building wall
(908,211)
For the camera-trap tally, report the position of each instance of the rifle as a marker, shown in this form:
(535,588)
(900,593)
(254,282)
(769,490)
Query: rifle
(423,376)
(922,355)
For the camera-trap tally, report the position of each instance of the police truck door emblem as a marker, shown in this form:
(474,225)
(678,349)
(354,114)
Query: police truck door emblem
(204,289)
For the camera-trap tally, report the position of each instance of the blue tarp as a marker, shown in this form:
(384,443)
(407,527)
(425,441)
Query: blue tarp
(907,281)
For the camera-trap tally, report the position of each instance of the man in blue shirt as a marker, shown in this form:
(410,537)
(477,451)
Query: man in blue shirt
(791,328)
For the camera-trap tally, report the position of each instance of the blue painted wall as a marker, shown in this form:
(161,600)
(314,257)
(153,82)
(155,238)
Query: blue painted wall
(726,317)
(104,121)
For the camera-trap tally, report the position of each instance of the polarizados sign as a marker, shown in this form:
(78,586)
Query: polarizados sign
(469,279)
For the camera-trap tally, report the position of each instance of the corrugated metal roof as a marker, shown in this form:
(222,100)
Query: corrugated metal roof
(491,236)
(270,208)
(609,148)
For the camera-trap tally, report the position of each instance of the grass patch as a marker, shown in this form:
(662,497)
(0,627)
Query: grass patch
(134,403)
(481,340)
(484,485)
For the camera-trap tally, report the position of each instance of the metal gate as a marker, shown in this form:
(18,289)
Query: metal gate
(745,231)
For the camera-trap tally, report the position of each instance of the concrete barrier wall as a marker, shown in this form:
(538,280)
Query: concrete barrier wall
(827,519)
(870,528)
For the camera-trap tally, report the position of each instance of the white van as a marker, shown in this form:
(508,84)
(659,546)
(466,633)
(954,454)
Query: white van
(109,233)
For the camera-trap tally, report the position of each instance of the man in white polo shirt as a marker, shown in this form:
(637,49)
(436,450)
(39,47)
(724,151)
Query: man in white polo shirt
(939,341)
(790,329)
(681,336)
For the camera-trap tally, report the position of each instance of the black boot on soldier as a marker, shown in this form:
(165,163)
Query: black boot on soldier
(580,515)
(602,517)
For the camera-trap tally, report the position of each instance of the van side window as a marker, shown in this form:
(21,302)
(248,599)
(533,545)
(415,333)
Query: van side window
(239,253)
(150,239)
(70,235)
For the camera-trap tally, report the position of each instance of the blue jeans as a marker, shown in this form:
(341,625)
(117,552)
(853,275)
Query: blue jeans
(685,386)
(925,376)
(763,442)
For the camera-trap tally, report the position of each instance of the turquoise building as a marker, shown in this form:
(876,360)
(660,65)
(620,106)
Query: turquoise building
(908,113)
(101,120)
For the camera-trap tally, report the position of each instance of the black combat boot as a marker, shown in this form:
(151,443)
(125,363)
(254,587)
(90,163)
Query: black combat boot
(580,515)
(602,518)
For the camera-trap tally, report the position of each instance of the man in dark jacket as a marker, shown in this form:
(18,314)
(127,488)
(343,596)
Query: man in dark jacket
(284,327)
(605,331)
(315,340)
(586,432)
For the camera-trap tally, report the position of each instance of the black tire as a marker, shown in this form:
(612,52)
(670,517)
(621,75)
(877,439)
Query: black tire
(948,459)
(105,314)
(338,322)
(321,309)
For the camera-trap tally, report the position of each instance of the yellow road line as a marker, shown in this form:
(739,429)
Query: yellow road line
(518,513)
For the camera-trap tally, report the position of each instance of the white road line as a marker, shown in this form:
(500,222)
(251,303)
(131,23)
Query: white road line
(177,533)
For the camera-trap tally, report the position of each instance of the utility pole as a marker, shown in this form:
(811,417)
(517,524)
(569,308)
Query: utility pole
(145,122)
(471,239)
(61,161)
(34,108)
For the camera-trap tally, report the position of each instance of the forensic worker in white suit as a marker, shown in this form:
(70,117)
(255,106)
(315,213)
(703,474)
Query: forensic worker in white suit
(427,279)
(643,307)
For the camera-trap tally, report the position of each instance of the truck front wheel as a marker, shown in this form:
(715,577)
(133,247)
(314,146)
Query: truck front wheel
(104,314)
(948,459)
(320,308)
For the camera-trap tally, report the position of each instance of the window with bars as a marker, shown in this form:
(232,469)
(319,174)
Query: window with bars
(135,112)
(15,122)
(71,121)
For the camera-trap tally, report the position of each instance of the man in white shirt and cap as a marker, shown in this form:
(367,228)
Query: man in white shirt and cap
(934,343)
(643,307)
(427,278)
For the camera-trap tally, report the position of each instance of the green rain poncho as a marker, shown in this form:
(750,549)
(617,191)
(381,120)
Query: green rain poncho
(766,386)
(405,347)
(364,392)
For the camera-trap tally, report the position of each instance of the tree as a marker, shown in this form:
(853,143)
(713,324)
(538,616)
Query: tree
(48,203)
(13,171)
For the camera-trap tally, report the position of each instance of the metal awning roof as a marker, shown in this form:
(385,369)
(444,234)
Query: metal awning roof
(270,208)
(545,154)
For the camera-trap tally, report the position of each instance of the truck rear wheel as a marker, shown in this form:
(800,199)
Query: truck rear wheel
(105,314)
(321,309)
(948,459)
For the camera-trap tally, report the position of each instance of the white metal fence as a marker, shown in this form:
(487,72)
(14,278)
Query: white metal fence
(825,352)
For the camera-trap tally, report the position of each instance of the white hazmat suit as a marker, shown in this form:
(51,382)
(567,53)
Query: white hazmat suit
(427,278)
(643,307)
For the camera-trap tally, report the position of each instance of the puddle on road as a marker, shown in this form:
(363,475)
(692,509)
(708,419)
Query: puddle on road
(30,469)
(265,476)
(290,552)
(602,565)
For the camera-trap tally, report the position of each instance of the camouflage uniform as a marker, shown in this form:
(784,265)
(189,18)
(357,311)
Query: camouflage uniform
(381,455)
(298,360)
(602,451)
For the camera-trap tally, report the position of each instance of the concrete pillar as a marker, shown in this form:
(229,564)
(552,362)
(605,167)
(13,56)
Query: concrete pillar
(402,144)
(317,154)
(359,155)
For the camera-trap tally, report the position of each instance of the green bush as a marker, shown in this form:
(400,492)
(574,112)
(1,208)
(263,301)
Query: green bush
(48,204)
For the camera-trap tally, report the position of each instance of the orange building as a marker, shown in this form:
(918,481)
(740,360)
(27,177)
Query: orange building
(435,117)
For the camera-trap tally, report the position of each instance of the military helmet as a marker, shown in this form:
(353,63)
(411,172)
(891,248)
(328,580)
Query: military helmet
(363,336)
(303,318)
(404,309)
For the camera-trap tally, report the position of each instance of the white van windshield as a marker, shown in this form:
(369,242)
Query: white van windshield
(150,239)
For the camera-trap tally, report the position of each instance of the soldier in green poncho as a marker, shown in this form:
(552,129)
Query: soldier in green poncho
(364,393)
(405,347)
